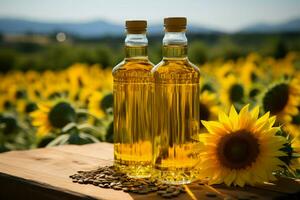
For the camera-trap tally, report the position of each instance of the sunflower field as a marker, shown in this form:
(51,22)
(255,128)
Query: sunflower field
(75,105)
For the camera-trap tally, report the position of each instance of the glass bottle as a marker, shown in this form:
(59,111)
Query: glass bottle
(175,108)
(132,91)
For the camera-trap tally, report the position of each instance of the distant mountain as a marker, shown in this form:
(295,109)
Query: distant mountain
(289,26)
(101,28)
(88,29)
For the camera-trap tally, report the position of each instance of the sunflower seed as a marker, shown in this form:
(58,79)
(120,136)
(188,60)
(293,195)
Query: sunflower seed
(144,191)
(109,177)
(161,192)
(167,195)
(117,188)
(210,194)
(175,193)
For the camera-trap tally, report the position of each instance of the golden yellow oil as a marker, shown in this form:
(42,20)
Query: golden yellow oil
(175,117)
(132,114)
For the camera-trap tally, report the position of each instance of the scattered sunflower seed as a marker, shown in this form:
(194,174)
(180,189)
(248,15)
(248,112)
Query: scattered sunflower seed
(108,177)
(210,194)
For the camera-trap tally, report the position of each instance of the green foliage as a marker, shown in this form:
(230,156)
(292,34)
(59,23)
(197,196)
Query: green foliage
(8,59)
(108,51)
(198,52)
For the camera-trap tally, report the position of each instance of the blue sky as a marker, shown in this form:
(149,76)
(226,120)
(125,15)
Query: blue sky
(228,15)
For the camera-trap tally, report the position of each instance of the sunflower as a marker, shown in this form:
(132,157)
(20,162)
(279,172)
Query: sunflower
(282,99)
(294,163)
(51,116)
(15,93)
(35,91)
(240,148)
(292,157)
(254,91)
(293,127)
(25,106)
(250,74)
(225,70)
(99,103)
(5,103)
(283,67)
(208,106)
(232,91)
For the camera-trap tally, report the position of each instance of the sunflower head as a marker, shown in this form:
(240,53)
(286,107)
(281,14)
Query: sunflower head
(254,91)
(20,94)
(232,91)
(276,98)
(292,150)
(109,137)
(5,104)
(236,92)
(30,107)
(107,101)
(50,116)
(209,106)
(207,86)
(8,124)
(61,114)
(282,99)
(100,103)
(240,148)
(296,118)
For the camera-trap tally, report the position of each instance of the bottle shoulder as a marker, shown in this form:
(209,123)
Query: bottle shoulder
(133,71)
(176,72)
(133,65)
(176,66)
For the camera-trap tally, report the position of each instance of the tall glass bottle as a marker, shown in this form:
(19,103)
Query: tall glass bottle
(175,108)
(132,104)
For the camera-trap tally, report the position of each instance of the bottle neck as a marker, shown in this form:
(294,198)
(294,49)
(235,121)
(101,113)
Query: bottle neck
(175,45)
(136,46)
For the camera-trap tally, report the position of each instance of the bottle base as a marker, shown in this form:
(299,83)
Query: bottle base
(175,177)
(134,171)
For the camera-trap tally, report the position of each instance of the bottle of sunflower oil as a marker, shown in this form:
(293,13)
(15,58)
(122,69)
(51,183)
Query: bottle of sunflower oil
(175,108)
(132,105)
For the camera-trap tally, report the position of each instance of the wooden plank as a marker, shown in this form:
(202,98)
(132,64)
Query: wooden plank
(44,174)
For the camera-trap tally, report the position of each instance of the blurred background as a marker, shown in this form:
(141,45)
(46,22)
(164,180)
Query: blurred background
(55,34)
(56,59)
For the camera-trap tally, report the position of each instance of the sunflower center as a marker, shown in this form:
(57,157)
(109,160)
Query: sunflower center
(238,150)
(7,104)
(236,93)
(254,92)
(207,87)
(10,124)
(253,77)
(204,112)
(54,95)
(61,114)
(107,102)
(20,94)
(30,107)
(296,118)
(276,98)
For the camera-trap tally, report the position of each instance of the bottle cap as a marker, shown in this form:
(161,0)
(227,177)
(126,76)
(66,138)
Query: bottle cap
(175,24)
(136,26)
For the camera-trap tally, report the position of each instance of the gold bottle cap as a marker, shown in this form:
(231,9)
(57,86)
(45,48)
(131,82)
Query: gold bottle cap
(136,26)
(175,24)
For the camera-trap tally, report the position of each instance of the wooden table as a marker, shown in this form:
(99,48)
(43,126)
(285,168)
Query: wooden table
(44,174)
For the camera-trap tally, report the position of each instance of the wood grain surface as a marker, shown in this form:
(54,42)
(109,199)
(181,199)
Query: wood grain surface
(44,174)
